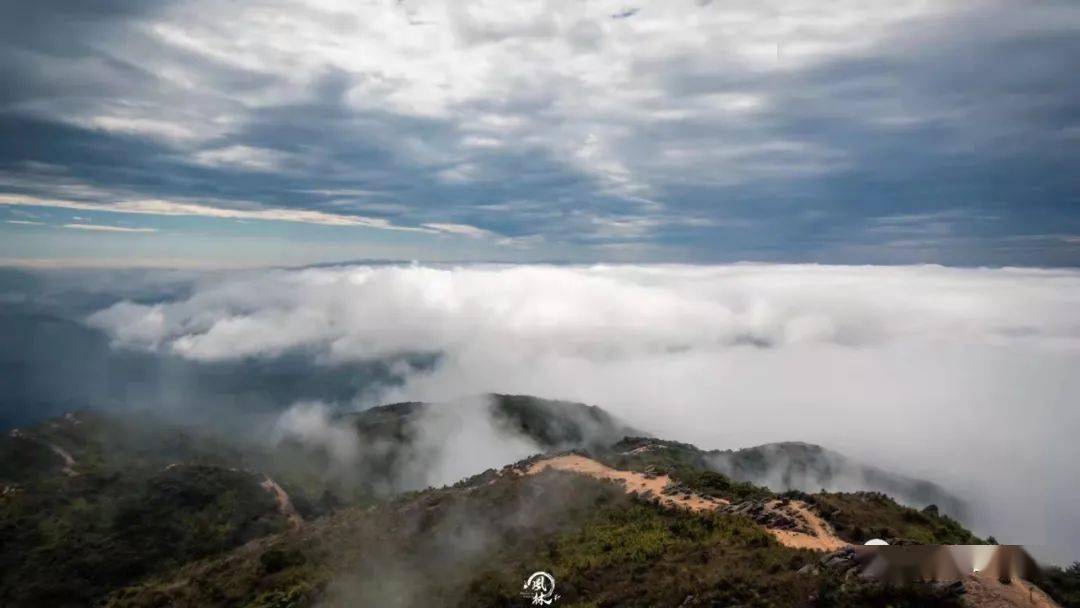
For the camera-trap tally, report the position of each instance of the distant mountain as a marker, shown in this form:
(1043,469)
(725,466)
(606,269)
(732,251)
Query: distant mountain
(809,468)
(474,543)
(562,425)
(551,424)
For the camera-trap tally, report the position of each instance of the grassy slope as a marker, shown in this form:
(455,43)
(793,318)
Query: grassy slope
(1063,584)
(67,539)
(860,516)
(123,518)
(473,545)
(856,517)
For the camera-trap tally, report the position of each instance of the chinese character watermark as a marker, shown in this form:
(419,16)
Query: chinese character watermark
(540,588)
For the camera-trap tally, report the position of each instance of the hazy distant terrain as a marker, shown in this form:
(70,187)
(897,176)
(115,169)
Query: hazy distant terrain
(807,467)
(919,371)
(327,436)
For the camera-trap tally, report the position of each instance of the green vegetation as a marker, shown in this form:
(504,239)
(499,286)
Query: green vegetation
(154,515)
(857,517)
(683,462)
(860,516)
(141,497)
(643,555)
(473,547)
(836,591)
(556,425)
(1062,584)
(804,466)
(69,540)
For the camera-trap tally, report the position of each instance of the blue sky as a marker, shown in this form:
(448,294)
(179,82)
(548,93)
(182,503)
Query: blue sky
(218,134)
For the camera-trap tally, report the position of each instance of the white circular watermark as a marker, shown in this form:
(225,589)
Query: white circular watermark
(540,588)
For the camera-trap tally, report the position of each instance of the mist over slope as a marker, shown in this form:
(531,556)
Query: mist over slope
(112,504)
(413,445)
(925,371)
(809,468)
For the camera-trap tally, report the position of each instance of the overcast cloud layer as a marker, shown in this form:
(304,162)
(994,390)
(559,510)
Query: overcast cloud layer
(687,130)
(966,377)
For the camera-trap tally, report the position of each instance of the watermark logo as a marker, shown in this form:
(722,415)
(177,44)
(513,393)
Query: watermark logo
(540,588)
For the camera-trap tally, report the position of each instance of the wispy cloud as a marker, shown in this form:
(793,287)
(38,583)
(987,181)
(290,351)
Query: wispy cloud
(177,208)
(247,158)
(107,228)
(462,229)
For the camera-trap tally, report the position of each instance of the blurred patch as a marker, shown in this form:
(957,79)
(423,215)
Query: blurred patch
(941,563)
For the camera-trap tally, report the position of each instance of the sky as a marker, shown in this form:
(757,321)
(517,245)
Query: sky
(224,134)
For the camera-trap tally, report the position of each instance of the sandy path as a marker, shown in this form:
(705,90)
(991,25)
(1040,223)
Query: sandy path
(285,506)
(821,538)
(632,480)
(69,461)
(988,592)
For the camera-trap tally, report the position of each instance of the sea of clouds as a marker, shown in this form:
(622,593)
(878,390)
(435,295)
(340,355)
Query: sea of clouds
(967,377)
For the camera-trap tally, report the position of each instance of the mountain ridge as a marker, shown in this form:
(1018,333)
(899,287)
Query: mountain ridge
(277,522)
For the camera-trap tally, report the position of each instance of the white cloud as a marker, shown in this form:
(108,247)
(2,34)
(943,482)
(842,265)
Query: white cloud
(462,229)
(107,228)
(311,423)
(247,158)
(460,174)
(615,312)
(465,440)
(446,443)
(181,208)
(148,127)
(930,370)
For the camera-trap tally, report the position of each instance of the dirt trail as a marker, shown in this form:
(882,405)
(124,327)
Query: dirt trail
(633,481)
(987,592)
(69,461)
(819,538)
(285,506)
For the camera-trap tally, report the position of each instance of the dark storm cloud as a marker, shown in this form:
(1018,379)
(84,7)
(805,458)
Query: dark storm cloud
(975,124)
(704,152)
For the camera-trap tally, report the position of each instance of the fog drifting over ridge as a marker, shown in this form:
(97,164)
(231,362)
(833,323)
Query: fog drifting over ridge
(445,443)
(962,376)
